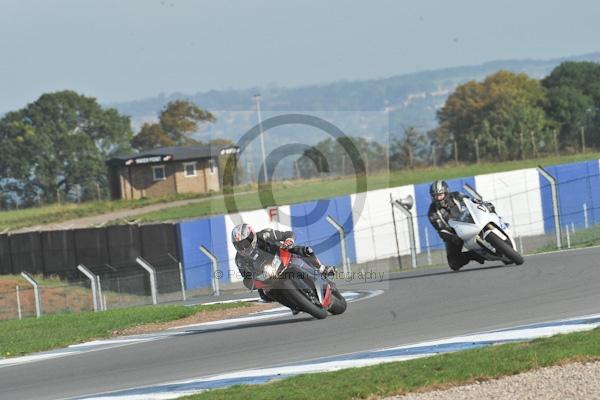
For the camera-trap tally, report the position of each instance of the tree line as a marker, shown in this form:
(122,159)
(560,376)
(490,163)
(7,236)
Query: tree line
(511,116)
(507,116)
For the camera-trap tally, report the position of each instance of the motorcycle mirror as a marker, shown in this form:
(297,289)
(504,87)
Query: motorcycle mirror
(406,202)
(469,189)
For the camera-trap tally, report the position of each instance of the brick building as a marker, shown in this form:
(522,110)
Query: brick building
(167,171)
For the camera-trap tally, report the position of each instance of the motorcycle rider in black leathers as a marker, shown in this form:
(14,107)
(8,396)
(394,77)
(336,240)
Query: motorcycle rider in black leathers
(442,202)
(256,248)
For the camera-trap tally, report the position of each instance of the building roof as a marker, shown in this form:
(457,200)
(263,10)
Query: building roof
(168,154)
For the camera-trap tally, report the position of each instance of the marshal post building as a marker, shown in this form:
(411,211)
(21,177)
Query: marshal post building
(167,171)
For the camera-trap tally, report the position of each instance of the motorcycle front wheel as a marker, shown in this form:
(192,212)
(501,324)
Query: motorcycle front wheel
(303,302)
(505,249)
(339,303)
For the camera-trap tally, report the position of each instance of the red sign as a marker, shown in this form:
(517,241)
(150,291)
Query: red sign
(273,214)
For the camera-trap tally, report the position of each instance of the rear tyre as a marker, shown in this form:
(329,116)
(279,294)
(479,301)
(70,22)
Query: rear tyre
(303,303)
(505,249)
(339,303)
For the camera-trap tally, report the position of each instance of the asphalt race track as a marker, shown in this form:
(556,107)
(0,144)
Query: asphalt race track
(414,306)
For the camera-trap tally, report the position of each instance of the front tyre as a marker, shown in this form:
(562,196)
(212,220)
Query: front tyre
(505,249)
(303,303)
(339,304)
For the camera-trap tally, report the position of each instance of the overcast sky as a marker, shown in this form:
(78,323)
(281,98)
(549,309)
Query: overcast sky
(119,50)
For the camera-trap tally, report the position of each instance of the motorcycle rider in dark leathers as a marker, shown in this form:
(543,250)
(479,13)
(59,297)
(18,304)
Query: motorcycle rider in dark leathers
(256,248)
(442,202)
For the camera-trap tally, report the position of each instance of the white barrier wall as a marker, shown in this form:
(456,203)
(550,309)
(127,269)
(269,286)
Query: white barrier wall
(258,219)
(517,197)
(374,235)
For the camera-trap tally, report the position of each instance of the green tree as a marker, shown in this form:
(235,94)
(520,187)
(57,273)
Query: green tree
(57,146)
(333,156)
(574,102)
(176,122)
(500,118)
(409,150)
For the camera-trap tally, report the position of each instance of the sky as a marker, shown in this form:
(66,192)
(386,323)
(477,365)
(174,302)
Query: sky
(120,50)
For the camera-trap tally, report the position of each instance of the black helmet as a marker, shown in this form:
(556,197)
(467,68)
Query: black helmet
(438,188)
(244,239)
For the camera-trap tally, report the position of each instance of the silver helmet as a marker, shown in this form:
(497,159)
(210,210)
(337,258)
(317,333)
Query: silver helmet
(243,238)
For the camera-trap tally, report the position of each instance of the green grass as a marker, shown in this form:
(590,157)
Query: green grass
(426,373)
(300,191)
(580,239)
(60,330)
(56,213)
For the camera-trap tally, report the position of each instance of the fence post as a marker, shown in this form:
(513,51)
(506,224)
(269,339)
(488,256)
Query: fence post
(19,303)
(214,279)
(36,293)
(555,205)
(181,278)
(340,229)
(396,232)
(568,237)
(101,298)
(144,264)
(521,244)
(405,205)
(93,283)
(585,216)
(427,245)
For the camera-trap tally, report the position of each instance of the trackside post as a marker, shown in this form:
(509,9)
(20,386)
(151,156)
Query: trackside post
(150,269)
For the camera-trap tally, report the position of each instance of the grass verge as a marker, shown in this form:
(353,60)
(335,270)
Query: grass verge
(56,213)
(423,374)
(55,331)
(580,239)
(290,192)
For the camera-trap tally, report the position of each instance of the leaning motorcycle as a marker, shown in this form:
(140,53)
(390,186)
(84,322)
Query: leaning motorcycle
(483,231)
(301,284)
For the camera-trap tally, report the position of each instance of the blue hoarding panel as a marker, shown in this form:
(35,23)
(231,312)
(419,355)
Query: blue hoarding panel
(311,227)
(209,232)
(578,184)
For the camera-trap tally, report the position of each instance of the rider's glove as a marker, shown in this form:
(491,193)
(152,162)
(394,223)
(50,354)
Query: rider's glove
(287,244)
(489,206)
(326,271)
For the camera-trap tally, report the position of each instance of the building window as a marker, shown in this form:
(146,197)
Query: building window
(158,173)
(211,165)
(189,169)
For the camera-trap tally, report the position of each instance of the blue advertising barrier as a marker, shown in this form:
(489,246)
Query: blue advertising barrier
(210,233)
(310,226)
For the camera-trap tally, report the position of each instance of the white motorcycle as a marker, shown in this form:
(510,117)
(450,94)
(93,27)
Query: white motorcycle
(483,231)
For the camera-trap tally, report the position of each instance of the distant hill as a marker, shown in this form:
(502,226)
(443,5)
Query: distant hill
(414,97)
